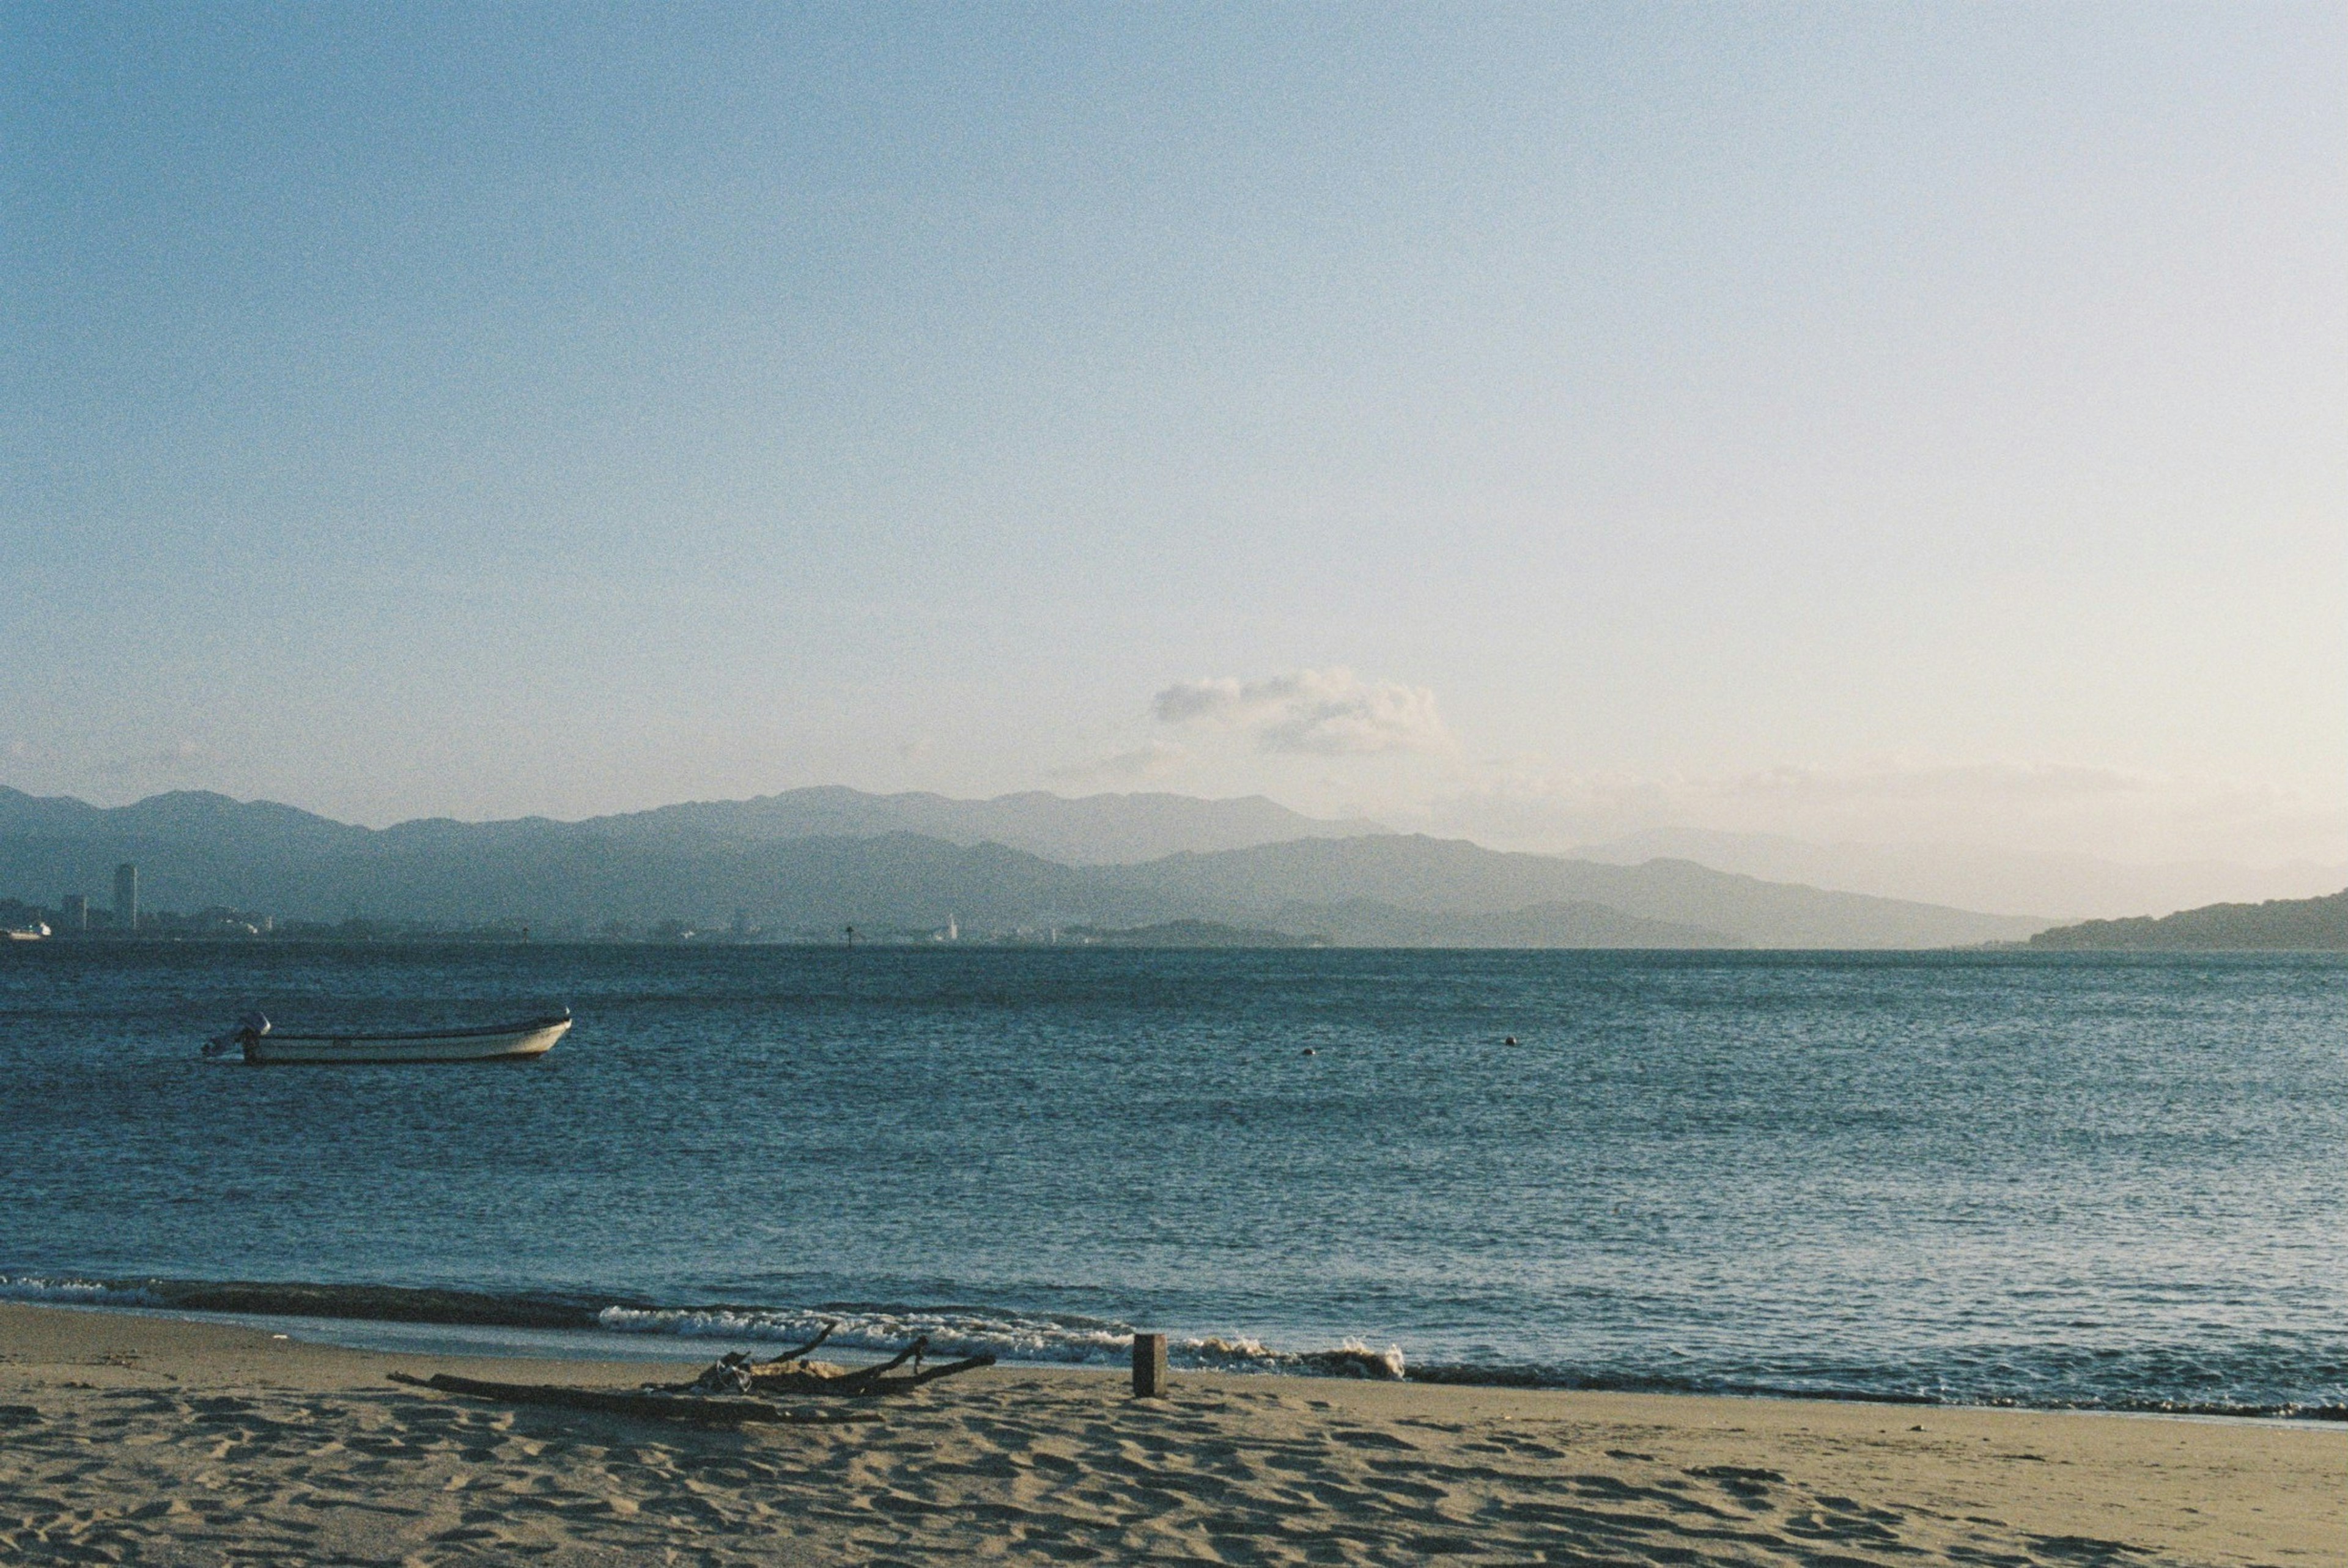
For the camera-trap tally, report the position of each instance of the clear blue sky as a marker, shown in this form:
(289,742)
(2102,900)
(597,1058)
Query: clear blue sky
(1876,420)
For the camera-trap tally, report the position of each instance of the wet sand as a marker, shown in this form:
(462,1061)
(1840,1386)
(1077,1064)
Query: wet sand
(138,1440)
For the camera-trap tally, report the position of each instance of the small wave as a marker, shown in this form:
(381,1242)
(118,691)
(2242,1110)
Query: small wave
(385,1304)
(1036,1338)
(1480,1375)
(951,1331)
(72,1292)
(1013,1337)
(1350,1358)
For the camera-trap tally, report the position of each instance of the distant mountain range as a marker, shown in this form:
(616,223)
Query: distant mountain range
(1088,830)
(2285,925)
(1358,890)
(1976,876)
(818,860)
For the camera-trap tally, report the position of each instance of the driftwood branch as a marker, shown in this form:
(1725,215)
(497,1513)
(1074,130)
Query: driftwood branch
(800,1353)
(818,1378)
(621,1402)
(942,1369)
(855,1382)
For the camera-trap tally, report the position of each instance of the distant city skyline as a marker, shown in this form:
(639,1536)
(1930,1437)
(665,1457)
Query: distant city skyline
(1873,425)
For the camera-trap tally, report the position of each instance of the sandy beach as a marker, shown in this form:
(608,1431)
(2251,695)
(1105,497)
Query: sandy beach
(142,1440)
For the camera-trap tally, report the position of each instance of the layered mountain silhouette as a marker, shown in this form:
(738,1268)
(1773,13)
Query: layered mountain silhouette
(1085,830)
(2278,924)
(819,859)
(1978,877)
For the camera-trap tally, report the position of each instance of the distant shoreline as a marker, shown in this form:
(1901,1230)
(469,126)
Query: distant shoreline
(569,1329)
(2026,948)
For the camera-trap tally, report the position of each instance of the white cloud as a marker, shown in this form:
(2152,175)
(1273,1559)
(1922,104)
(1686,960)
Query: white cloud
(1313,713)
(1255,733)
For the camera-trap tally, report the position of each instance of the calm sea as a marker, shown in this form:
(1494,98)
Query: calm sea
(2051,1179)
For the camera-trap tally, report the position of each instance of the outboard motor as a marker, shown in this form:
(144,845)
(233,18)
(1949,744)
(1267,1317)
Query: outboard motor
(249,1028)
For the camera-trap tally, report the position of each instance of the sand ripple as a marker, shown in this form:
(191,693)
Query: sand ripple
(307,1459)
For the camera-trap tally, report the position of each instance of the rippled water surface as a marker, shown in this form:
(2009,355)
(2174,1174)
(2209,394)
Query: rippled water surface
(2052,1178)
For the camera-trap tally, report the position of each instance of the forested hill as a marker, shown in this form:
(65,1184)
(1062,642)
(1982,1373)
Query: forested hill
(2286,924)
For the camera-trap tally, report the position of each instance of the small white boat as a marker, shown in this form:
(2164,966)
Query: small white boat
(494,1042)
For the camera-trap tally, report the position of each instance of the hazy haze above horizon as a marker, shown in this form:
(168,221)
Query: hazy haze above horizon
(1882,424)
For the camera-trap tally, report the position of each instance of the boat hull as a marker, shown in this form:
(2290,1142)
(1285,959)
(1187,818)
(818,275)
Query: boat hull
(509,1042)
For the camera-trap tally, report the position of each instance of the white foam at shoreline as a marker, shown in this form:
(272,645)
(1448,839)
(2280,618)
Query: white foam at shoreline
(72,1292)
(1011,1337)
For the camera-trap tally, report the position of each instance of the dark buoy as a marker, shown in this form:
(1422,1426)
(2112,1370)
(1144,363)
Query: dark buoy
(1309,1051)
(1510,1041)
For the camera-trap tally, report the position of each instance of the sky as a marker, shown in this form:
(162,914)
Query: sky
(1871,423)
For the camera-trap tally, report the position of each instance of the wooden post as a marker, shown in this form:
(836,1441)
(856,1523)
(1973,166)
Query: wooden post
(1150,1366)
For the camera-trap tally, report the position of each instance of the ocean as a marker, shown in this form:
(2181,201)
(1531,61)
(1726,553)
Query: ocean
(2053,1180)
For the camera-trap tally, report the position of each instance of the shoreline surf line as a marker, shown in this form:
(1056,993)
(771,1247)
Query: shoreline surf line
(590,1327)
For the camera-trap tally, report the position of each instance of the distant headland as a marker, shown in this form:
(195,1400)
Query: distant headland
(2278,925)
